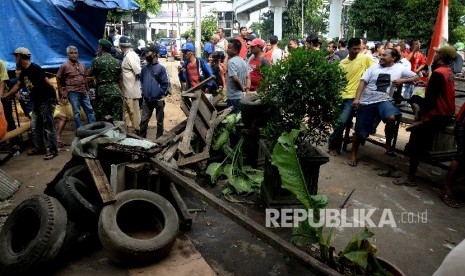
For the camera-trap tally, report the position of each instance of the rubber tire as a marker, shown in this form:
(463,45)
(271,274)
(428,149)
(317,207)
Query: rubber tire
(92,129)
(82,173)
(131,209)
(80,201)
(42,216)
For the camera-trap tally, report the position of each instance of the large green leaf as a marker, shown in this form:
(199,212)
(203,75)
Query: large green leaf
(355,242)
(285,158)
(304,234)
(214,170)
(359,257)
(239,182)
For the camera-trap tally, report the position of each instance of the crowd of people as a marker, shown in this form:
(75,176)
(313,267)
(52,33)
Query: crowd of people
(380,76)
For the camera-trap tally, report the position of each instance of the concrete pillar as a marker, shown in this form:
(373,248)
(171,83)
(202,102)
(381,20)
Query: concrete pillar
(242,18)
(149,31)
(335,15)
(277,7)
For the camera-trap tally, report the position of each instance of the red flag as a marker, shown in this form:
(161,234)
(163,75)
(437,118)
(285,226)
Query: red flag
(441,30)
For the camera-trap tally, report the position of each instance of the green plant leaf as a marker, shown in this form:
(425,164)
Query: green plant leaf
(227,191)
(359,257)
(240,183)
(304,234)
(214,170)
(256,176)
(355,242)
(285,158)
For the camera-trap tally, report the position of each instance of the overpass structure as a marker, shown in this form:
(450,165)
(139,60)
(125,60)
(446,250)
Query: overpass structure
(243,8)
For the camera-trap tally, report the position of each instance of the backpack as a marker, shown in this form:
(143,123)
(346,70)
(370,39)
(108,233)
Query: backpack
(457,64)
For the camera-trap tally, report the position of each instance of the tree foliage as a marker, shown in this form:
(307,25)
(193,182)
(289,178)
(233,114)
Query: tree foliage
(151,6)
(208,27)
(315,15)
(389,19)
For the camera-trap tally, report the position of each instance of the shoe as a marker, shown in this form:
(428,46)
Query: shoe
(50,156)
(36,152)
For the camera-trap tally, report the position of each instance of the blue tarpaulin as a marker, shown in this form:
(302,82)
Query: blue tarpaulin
(47,27)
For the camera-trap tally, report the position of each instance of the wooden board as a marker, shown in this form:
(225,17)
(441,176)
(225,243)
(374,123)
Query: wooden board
(168,136)
(247,223)
(100,180)
(183,161)
(185,146)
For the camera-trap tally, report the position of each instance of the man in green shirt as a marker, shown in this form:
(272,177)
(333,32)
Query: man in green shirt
(107,72)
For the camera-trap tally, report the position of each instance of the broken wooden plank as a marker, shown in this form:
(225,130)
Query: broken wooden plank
(168,136)
(247,223)
(182,160)
(197,87)
(100,180)
(171,151)
(184,215)
(185,146)
(198,123)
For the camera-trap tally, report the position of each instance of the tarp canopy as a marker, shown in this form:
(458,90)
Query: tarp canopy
(47,27)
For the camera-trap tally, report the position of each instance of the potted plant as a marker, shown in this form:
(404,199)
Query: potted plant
(359,256)
(304,91)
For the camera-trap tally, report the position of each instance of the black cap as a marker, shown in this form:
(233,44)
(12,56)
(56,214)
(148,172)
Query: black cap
(152,48)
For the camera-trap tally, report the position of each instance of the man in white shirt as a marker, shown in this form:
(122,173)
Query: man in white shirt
(131,83)
(373,99)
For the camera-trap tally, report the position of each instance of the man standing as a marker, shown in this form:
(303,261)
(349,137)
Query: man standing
(243,40)
(194,70)
(72,84)
(43,100)
(313,43)
(373,99)
(107,72)
(256,61)
(222,44)
(342,52)
(274,54)
(332,57)
(237,77)
(416,58)
(155,84)
(131,84)
(354,66)
(436,110)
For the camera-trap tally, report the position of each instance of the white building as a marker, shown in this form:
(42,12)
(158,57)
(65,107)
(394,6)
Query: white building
(175,18)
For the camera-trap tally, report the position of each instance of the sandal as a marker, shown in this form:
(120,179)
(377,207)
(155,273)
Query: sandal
(352,163)
(449,201)
(60,144)
(50,156)
(333,152)
(404,182)
(395,174)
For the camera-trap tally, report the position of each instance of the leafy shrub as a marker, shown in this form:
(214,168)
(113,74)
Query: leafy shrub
(304,90)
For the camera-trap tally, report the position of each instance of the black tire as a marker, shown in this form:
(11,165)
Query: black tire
(81,201)
(136,212)
(92,129)
(32,236)
(82,173)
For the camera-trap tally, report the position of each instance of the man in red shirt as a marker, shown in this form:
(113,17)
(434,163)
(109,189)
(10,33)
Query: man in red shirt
(436,110)
(242,39)
(416,58)
(256,61)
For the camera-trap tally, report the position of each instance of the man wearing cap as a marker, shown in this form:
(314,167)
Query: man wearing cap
(131,84)
(72,84)
(43,100)
(436,110)
(194,70)
(256,61)
(155,85)
(107,72)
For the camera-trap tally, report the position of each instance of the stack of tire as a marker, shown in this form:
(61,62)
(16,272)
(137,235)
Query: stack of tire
(46,230)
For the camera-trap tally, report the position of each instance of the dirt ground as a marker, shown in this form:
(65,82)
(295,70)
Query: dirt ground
(216,245)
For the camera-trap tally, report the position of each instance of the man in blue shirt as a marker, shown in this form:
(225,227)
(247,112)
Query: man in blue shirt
(155,84)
